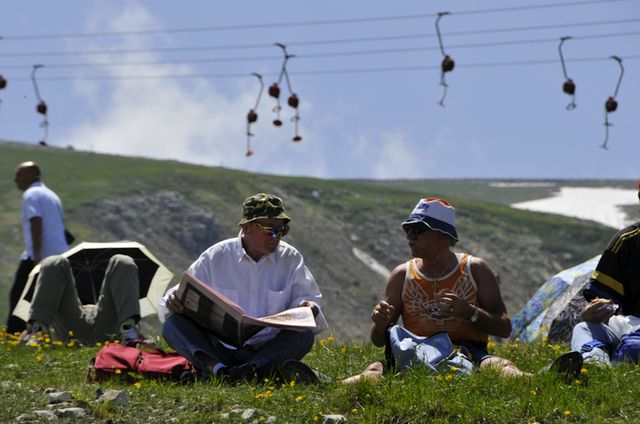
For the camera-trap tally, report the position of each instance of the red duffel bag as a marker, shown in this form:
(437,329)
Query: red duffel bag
(130,363)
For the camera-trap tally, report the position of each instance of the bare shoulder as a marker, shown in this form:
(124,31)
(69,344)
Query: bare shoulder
(396,280)
(398,273)
(480,266)
(482,272)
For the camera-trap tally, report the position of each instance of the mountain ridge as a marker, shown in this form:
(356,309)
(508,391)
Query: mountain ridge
(177,210)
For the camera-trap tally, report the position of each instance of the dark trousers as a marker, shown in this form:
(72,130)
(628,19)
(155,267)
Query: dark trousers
(188,339)
(15,324)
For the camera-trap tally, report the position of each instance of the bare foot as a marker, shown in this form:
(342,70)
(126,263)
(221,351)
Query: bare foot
(372,373)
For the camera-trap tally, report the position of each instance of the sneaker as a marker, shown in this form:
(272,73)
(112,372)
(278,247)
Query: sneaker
(292,370)
(130,336)
(567,366)
(237,374)
(34,335)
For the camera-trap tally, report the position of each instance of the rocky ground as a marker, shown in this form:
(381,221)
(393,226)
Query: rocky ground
(177,229)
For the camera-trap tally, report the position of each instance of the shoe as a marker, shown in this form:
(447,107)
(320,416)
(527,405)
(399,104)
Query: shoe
(129,336)
(34,335)
(187,377)
(567,366)
(238,374)
(292,370)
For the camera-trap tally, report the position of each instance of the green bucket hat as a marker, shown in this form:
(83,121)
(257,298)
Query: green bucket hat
(263,205)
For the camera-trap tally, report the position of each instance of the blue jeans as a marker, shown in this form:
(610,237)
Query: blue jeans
(586,332)
(192,341)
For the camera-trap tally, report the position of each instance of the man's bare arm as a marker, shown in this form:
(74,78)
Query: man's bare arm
(36,238)
(387,311)
(492,317)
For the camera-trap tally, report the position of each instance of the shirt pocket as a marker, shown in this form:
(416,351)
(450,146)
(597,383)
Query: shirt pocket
(277,301)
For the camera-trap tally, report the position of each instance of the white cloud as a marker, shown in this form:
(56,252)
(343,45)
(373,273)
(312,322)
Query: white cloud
(184,119)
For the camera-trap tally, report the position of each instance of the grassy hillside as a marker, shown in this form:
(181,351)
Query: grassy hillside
(600,395)
(178,210)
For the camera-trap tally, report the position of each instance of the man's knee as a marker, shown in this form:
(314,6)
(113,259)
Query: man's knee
(581,327)
(307,338)
(123,262)
(57,261)
(173,324)
(300,341)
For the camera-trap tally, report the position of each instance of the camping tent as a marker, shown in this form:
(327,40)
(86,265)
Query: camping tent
(555,308)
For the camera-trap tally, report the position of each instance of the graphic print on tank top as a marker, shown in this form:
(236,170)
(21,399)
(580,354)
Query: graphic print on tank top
(423,313)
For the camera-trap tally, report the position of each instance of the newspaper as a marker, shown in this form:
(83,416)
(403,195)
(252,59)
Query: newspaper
(227,320)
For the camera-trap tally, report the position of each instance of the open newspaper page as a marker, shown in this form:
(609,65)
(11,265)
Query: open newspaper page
(227,320)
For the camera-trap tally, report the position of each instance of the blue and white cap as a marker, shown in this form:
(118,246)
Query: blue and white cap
(437,214)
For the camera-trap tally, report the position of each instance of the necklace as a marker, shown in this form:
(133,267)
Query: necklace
(452,261)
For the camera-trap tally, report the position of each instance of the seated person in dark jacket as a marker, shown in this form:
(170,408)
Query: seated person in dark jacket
(614,298)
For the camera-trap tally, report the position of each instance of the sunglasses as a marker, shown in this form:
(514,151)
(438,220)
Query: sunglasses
(274,232)
(416,229)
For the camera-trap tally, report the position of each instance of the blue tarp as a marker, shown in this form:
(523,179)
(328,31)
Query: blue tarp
(527,324)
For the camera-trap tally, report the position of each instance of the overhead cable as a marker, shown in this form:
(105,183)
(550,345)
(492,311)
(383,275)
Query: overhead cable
(633,56)
(187,49)
(319,55)
(254,26)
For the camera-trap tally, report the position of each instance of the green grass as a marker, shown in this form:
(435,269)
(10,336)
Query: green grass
(600,395)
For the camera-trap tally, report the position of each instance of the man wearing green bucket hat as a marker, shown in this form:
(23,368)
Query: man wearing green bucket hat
(264,275)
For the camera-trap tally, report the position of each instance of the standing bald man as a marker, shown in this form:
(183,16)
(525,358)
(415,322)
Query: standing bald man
(42,229)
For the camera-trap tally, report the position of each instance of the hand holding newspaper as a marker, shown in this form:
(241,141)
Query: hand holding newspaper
(227,320)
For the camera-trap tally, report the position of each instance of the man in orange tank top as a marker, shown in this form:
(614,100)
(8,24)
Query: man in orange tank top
(440,291)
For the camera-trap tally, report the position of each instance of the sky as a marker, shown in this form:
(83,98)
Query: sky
(173,80)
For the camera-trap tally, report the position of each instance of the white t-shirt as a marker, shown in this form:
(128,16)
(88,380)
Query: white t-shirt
(276,282)
(40,201)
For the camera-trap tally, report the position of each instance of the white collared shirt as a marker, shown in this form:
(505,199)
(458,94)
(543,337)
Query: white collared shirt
(39,201)
(278,281)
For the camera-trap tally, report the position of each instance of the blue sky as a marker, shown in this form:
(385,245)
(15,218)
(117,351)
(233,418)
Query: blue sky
(504,115)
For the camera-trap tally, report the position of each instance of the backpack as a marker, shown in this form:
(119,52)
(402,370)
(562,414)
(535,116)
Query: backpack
(130,363)
(629,348)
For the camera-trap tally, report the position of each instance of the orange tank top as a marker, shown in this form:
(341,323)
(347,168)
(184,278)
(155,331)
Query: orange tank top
(421,309)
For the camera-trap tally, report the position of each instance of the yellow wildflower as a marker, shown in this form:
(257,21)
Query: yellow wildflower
(583,371)
(299,398)
(449,377)
(137,384)
(567,412)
